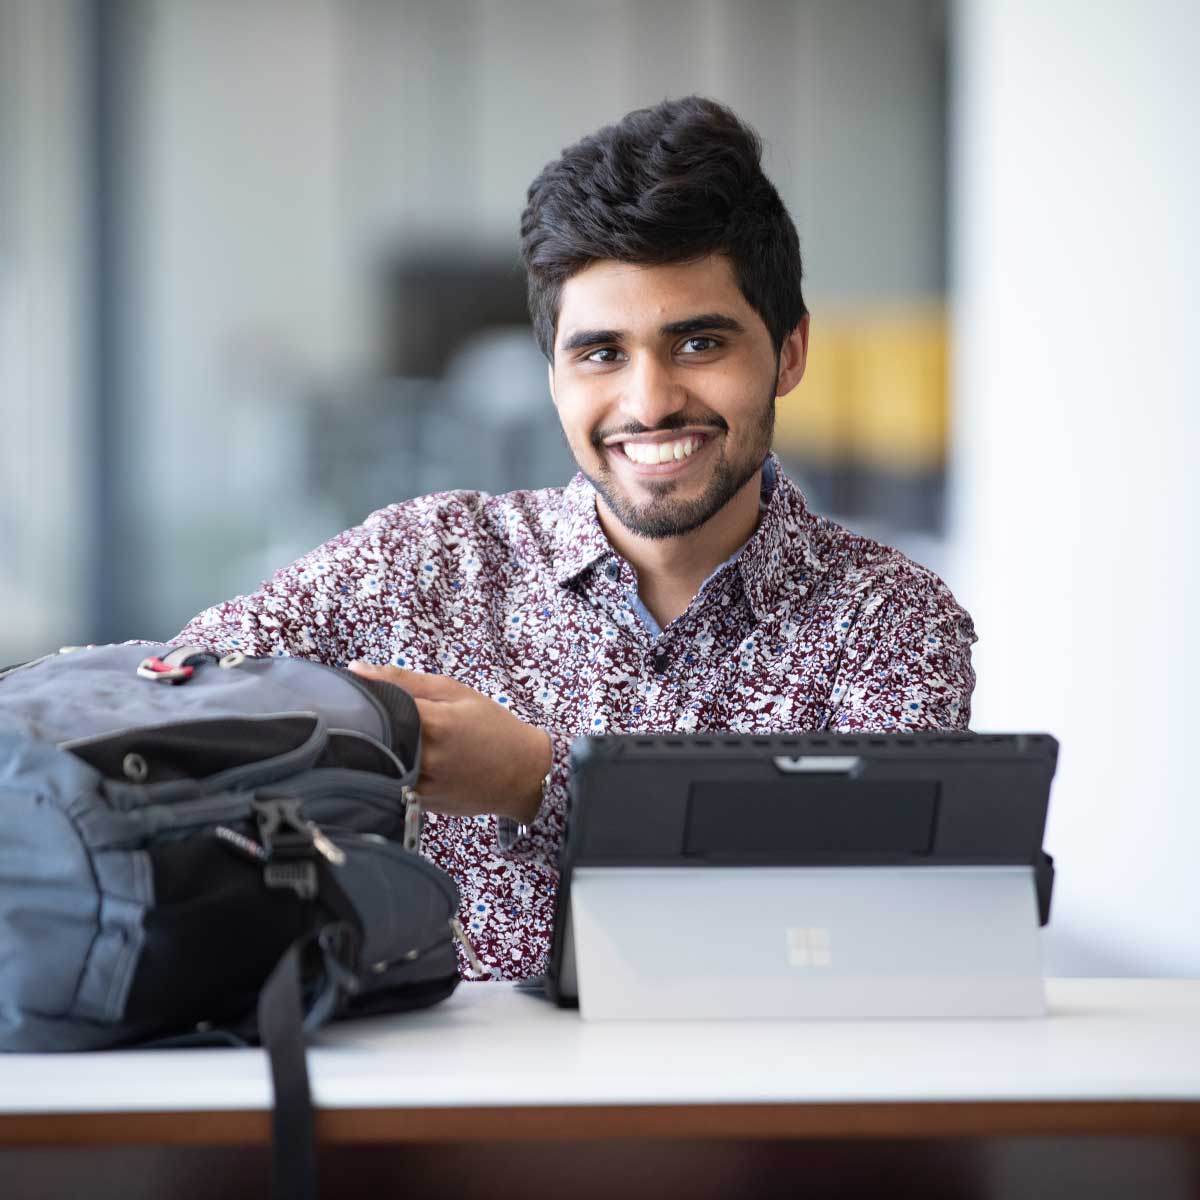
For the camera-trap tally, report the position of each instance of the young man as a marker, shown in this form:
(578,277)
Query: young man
(679,582)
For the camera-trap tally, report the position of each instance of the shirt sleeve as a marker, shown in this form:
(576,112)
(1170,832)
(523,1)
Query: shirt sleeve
(510,893)
(550,825)
(907,662)
(344,600)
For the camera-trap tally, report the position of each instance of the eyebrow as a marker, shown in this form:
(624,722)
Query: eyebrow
(591,337)
(701,323)
(697,324)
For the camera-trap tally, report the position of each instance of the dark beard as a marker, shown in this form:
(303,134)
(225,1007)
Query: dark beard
(663,517)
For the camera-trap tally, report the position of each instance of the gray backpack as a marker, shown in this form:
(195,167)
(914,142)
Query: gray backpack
(200,850)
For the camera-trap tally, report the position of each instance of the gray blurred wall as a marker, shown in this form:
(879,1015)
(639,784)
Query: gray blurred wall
(271,154)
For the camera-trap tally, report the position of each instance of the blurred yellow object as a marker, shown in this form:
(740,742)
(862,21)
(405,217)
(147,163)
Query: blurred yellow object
(874,394)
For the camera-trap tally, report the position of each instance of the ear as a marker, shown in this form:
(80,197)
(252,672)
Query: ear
(793,354)
(550,378)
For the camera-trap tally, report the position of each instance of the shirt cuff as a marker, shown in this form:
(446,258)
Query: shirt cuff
(544,835)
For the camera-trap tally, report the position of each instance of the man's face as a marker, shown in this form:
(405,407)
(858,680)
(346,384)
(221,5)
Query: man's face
(665,382)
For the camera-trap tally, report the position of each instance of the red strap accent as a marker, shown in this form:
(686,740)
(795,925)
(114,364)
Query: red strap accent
(159,667)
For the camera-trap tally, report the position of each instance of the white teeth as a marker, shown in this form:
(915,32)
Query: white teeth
(650,453)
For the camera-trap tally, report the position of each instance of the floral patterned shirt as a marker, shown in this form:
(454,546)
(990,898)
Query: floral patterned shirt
(521,596)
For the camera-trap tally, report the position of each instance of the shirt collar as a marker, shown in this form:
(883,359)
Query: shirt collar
(779,559)
(581,541)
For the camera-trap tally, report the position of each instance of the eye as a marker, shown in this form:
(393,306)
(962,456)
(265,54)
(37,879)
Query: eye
(605,354)
(698,345)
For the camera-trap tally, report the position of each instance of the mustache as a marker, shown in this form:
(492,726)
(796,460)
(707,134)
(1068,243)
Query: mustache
(666,425)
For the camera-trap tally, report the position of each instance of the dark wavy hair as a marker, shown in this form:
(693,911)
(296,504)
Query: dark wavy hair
(668,184)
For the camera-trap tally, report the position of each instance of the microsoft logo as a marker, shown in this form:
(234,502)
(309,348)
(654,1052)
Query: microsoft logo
(808,947)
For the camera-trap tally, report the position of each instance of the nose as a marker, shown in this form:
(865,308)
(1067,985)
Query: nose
(651,392)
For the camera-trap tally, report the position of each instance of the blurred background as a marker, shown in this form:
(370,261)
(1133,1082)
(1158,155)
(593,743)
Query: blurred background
(259,276)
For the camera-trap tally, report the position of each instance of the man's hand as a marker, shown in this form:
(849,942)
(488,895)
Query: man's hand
(476,757)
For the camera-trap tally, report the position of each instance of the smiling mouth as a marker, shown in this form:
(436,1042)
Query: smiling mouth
(659,453)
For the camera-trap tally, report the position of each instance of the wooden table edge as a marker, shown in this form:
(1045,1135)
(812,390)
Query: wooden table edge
(640,1122)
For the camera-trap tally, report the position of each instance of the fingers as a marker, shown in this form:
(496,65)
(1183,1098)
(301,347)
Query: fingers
(433,780)
(477,756)
(416,683)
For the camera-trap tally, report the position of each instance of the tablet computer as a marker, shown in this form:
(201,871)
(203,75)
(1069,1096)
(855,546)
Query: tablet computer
(801,800)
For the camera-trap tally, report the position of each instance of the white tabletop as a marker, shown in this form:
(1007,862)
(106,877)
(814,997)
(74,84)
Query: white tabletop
(490,1045)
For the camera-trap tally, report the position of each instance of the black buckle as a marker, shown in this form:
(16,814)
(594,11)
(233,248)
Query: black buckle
(299,874)
(288,845)
(282,831)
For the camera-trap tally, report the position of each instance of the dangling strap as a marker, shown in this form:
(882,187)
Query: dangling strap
(282,1019)
(281,1026)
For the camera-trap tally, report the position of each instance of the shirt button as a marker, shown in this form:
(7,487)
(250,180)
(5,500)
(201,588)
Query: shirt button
(612,570)
(661,661)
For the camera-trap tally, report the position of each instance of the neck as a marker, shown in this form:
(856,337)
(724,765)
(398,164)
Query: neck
(671,570)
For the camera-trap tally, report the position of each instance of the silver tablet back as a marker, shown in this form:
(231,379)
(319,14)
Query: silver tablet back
(788,942)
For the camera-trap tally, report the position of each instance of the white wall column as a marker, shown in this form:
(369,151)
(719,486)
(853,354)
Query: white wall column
(1076,191)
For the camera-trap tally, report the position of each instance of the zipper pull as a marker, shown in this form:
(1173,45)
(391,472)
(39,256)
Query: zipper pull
(245,846)
(413,817)
(325,845)
(476,962)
